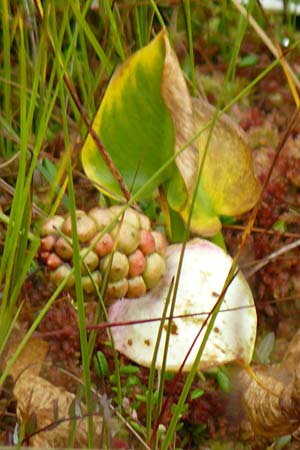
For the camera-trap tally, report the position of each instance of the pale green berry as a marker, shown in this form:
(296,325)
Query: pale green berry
(116,289)
(136,287)
(129,215)
(67,225)
(86,227)
(60,274)
(52,225)
(115,210)
(119,266)
(101,216)
(145,223)
(127,237)
(63,248)
(91,260)
(88,284)
(155,269)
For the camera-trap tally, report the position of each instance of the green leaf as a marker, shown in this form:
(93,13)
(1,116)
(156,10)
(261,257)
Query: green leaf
(223,381)
(133,123)
(101,364)
(282,441)
(248,60)
(196,393)
(129,369)
(145,117)
(279,225)
(176,192)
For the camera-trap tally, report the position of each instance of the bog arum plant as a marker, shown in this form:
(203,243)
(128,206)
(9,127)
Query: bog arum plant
(148,120)
(208,172)
(152,129)
(127,252)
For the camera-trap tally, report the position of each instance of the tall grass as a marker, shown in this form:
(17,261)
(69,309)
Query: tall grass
(42,46)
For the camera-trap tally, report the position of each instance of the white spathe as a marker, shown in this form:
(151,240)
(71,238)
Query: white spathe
(204,271)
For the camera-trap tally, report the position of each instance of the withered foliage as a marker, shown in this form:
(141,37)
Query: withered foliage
(48,412)
(271,394)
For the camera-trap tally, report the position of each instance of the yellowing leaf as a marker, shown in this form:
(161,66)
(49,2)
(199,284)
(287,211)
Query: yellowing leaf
(229,176)
(133,123)
(146,115)
(205,221)
(228,185)
(177,98)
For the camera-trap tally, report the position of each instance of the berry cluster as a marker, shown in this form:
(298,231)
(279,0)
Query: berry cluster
(130,255)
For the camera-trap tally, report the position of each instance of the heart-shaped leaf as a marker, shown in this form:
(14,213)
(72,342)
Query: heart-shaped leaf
(146,115)
(137,121)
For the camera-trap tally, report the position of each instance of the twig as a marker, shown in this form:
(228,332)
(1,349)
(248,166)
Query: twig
(272,256)
(284,234)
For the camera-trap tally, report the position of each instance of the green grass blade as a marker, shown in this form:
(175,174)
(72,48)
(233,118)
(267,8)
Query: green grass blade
(76,247)
(188,18)
(115,29)
(108,66)
(157,13)
(149,405)
(6,61)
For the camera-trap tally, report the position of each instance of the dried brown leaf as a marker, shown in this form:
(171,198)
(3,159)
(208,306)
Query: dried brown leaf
(30,359)
(177,99)
(271,397)
(51,406)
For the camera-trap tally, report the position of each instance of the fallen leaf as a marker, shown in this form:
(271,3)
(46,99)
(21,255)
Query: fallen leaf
(30,359)
(51,406)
